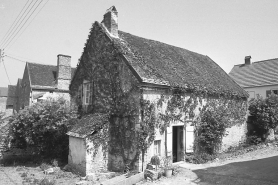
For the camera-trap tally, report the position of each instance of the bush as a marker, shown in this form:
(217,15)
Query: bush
(42,127)
(263,116)
(200,158)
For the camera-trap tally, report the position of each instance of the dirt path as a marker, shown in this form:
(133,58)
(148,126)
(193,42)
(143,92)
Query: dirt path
(190,175)
(8,176)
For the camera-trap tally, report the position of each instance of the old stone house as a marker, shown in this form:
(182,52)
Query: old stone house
(3,98)
(257,78)
(117,71)
(40,81)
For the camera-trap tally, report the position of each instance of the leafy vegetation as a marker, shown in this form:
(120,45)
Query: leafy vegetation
(263,116)
(42,128)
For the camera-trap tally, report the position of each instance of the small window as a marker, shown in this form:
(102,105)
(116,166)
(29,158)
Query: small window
(86,93)
(268,92)
(157,147)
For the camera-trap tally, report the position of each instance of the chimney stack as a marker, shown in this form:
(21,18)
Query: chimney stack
(110,21)
(63,71)
(247,60)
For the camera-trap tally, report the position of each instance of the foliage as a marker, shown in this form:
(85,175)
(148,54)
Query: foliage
(215,117)
(263,115)
(42,127)
(155,160)
(200,158)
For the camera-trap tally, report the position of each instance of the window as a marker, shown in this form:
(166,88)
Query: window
(157,147)
(268,92)
(86,92)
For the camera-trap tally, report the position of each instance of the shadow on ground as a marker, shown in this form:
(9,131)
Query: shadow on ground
(255,172)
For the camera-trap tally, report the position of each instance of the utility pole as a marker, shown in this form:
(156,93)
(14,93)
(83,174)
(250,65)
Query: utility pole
(1,55)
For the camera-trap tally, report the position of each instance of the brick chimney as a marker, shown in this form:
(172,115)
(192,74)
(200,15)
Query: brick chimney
(110,21)
(247,60)
(63,71)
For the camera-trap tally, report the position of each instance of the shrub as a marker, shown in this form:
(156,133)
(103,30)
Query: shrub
(200,158)
(211,128)
(43,127)
(263,116)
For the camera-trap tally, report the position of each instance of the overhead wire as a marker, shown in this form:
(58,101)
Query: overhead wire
(27,25)
(11,30)
(13,23)
(25,20)
(6,72)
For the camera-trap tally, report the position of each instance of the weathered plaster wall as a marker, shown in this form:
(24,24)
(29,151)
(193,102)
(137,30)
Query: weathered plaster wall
(77,153)
(97,162)
(3,101)
(236,134)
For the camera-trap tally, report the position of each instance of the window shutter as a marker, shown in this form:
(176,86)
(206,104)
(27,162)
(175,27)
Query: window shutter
(91,93)
(268,92)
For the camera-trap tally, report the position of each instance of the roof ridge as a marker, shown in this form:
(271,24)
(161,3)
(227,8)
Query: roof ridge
(41,64)
(257,62)
(265,60)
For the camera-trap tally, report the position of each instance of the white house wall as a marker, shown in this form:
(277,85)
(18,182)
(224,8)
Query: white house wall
(254,91)
(77,153)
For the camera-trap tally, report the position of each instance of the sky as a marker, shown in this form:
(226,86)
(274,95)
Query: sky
(225,30)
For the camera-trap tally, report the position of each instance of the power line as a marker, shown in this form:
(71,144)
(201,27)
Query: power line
(15,58)
(15,25)
(28,25)
(13,22)
(30,60)
(6,72)
(25,20)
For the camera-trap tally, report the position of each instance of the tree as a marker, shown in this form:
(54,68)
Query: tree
(43,127)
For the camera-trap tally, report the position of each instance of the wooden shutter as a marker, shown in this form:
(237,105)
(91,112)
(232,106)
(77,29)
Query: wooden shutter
(189,138)
(91,93)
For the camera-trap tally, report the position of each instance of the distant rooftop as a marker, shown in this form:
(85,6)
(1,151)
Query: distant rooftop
(259,73)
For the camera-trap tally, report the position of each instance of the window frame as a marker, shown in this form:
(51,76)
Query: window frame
(157,147)
(86,93)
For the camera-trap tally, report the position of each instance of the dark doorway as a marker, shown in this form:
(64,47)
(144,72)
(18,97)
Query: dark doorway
(178,142)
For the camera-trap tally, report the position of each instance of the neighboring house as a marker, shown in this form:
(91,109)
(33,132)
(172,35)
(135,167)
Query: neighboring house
(11,100)
(257,78)
(40,81)
(3,98)
(17,100)
(118,69)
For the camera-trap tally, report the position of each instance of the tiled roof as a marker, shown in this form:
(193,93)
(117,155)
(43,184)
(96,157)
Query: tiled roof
(87,125)
(159,63)
(259,73)
(44,75)
(11,94)
(3,91)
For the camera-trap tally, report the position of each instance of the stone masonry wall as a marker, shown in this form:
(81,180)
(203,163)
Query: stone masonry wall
(236,134)
(104,68)
(24,94)
(64,71)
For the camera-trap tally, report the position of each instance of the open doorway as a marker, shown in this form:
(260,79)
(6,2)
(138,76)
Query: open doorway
(178,143)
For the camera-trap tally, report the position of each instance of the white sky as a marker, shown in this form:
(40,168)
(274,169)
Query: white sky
(225,30)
